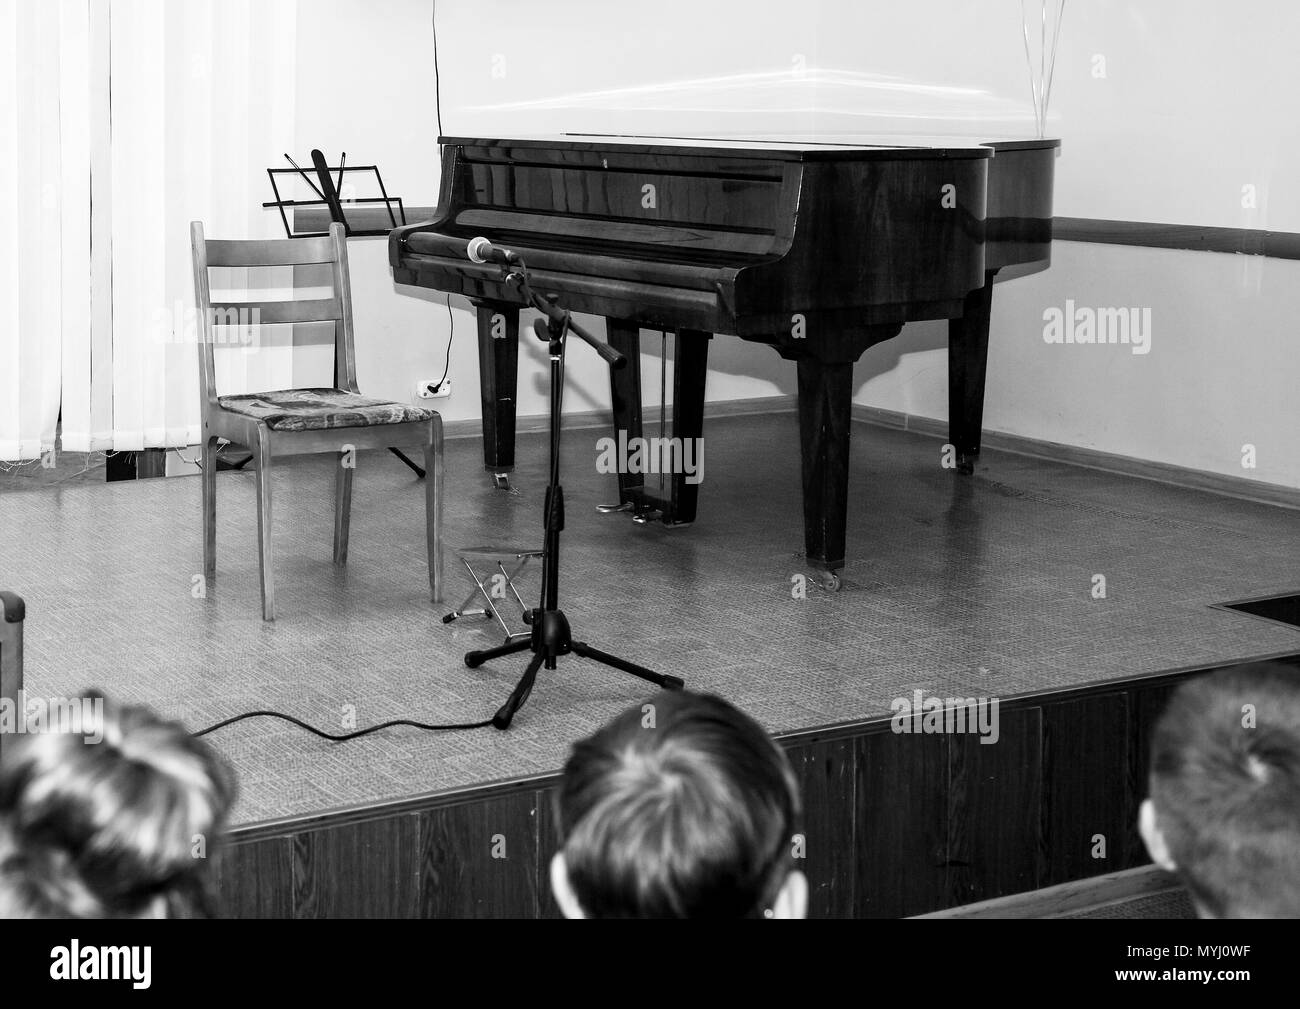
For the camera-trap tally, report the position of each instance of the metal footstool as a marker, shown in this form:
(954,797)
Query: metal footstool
(489,590)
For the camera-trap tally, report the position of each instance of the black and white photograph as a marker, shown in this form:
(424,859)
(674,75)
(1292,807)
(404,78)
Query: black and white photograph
(665,459)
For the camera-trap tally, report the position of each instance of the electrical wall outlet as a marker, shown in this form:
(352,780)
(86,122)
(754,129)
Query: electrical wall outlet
(430,389)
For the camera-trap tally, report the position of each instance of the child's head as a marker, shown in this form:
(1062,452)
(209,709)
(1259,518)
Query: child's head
(1224,810)
(112,820)
(682,807)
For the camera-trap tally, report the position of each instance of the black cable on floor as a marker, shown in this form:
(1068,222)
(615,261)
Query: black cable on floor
(345,736)
(424,726)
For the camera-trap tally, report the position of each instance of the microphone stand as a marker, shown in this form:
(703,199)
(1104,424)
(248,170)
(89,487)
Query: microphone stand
(551,635)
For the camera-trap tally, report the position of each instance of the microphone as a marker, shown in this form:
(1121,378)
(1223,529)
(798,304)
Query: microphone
(480,250)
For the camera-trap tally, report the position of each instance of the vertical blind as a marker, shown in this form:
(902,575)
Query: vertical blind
(35,163)
(123,120)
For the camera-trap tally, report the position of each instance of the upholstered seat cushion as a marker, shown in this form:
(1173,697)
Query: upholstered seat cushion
(320,409)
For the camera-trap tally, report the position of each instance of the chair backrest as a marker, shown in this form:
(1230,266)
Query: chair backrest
(11,654)
(329,250)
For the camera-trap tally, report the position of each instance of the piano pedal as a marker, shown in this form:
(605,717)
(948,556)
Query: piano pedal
(829,580)
(501,481)
(609,509)
(647,515)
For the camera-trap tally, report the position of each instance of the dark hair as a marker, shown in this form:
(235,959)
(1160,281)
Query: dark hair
(682,807)
(1225,782)
(100,820)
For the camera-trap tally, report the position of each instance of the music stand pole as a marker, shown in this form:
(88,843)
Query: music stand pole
(331,197)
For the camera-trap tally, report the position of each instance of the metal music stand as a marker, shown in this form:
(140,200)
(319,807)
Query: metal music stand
(326,183)
(325,187)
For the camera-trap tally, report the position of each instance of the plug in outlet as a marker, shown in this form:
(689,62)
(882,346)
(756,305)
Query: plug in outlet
(430,389)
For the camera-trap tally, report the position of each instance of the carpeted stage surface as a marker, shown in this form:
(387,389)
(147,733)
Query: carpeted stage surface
(976,586)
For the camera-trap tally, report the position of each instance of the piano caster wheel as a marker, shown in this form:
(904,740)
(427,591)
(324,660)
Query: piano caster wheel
(646,516)
(501,481)
(830,580)
(610,509)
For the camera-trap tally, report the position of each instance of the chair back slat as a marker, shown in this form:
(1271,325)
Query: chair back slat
(270,313)
(331,249)
(271,252)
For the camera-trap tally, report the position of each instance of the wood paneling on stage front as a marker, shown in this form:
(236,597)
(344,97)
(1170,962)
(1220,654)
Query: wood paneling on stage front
(895,824)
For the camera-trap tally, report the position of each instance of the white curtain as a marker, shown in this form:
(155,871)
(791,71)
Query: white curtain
(203,104)
(41,163)
(121,121)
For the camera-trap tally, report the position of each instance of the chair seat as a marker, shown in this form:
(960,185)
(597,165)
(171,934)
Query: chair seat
(320,409)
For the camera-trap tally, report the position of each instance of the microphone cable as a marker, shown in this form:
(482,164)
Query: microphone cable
(342,737)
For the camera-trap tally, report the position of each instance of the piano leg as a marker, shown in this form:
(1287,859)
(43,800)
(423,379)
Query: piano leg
(968,352)
(625,393)
(498,370)
(690,368)
(825,412)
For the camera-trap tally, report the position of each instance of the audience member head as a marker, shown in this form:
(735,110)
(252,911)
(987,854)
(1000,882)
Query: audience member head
(1224,806)
(682,807)
(113,818)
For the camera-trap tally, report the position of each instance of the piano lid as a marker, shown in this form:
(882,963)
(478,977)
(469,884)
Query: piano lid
(770,148)
(906,141)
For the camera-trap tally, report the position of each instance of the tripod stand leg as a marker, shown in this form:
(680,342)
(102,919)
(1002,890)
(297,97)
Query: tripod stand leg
(659,679)
(506,713)
(475,659)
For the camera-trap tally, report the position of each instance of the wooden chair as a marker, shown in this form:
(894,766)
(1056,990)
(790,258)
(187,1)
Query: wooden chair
(299,421)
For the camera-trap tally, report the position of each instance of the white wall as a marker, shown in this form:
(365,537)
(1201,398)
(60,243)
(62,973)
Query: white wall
(366,86)
(1221,372)
(1196,102)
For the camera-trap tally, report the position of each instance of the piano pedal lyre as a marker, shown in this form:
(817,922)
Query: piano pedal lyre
(641,514)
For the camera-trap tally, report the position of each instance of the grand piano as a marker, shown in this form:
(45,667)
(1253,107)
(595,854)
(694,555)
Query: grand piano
(817,248)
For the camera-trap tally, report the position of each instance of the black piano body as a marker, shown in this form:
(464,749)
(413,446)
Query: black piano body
(819,249)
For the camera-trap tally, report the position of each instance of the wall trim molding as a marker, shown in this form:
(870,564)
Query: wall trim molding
(1074,455)
(539,423)
(1193,237)
(1146,234)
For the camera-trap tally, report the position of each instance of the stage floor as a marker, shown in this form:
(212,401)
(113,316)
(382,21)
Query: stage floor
(954,586)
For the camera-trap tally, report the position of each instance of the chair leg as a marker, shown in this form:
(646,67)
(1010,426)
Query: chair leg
(343,504)
(262,459)
(433,494)
(210,509)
